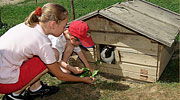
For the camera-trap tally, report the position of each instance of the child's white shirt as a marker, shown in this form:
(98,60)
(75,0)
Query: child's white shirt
(60,44)
(19,44)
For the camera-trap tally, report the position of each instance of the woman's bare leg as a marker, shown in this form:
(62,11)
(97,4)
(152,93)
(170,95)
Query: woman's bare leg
(35,83)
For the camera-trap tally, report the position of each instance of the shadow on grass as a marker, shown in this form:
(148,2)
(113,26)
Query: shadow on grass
(81,91)
(171,72)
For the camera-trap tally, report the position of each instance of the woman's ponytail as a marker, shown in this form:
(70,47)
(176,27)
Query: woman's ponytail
(49,12)
(33,18)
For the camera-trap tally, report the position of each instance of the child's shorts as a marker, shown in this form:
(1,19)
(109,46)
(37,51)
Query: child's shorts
(28,71)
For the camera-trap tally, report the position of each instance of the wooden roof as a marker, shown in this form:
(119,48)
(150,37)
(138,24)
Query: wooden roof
(150,20)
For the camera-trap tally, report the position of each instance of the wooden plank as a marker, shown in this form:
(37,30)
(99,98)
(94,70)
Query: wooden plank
(131,41)
(138,51)
(117,56)
(154,11)
(128,74)
(89,55)
(143,70)
(100,23)
(98,51)
(138,59)
(164,57)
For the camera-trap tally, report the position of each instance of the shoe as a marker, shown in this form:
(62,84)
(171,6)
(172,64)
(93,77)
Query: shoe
(44,91)
(10,96)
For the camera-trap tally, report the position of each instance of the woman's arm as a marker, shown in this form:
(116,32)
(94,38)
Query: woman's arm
(54,69)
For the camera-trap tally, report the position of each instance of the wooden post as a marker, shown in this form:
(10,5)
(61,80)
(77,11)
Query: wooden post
(0,20)
(72,9)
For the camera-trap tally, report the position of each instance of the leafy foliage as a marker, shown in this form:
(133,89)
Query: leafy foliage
(86,73)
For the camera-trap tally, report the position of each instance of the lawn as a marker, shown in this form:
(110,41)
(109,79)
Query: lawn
(107,87)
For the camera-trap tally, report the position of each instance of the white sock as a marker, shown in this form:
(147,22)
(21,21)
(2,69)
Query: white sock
(36,89)
(17,94)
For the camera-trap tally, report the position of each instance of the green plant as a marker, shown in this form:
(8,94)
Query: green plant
(98,62)
(87,73)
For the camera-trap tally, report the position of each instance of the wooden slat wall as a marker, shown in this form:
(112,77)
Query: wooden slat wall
(128,74)
(99,23)
(125,40)
(138,51)
(164,57)
(143,70)
(138,72)
(89,54)
(138,59)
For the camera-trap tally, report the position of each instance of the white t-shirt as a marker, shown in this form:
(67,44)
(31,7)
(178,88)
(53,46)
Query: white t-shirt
(18,45)
(60,43)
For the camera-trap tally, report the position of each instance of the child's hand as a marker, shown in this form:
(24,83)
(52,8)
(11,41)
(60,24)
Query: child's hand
(66,34)
(66,30)
(91,70)
(89,79)
(77,70)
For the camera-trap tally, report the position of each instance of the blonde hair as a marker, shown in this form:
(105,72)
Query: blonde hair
(50,12)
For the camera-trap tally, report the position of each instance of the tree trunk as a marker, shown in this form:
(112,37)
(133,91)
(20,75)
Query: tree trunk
(0,20)
(72,9)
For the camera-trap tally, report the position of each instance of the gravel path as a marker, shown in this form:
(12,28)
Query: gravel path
(4,2)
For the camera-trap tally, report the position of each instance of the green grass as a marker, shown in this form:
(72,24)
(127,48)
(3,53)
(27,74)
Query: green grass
(107,87)
(15,14)
(172,5)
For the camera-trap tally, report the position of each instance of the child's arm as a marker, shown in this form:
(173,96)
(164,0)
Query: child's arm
(82,57)
(68,51)
(67,67)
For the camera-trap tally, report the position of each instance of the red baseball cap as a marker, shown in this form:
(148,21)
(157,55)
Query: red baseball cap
(80,30)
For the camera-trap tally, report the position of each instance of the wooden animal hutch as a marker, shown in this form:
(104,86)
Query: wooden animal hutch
(142,33)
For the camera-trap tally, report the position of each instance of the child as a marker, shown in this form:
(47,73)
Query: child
(69,41)
(26,54)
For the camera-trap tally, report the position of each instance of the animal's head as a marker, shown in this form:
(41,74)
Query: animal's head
(107,54)
(108,51)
